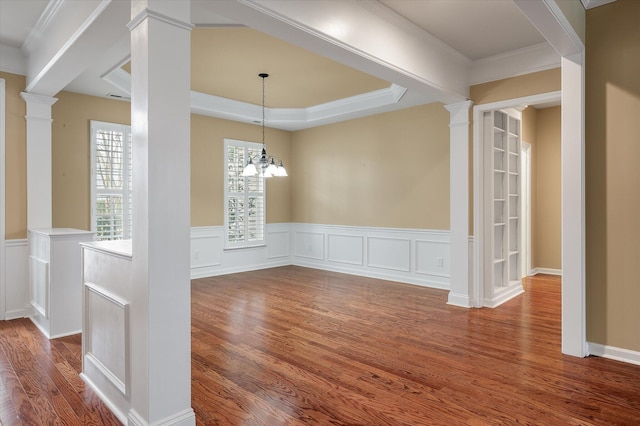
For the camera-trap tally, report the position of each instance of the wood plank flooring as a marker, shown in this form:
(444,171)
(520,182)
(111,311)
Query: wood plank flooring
(294,346)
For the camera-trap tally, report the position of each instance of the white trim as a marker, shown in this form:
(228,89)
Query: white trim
(147,13)
(590,4)
(425,246)
(548,271)
(185,417)
(38,32)
(526,207)
(417,264)
(3,270)
(611,352)
(114,409)
(377,101)
(478,180)
(461,277)
(17,274)
(245,195)
(504,295)
(526,60)
(574,329)
(127,188)
(31,86)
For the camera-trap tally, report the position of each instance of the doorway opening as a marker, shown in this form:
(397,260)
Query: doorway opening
(483,221)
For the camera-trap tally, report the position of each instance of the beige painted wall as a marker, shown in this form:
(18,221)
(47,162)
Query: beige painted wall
(511,88)
(207,149)
(547,232)
(387,170)
(516,87)
(16,158)
(70,161)
(613,176)
(70,153)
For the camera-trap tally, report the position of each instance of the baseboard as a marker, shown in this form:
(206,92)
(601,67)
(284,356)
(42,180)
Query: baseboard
(215,271)
(548,271)
(381,276)
(183,418)
(413,256)
(119,414)
(459,300)
(611,352)
(504,296)
(16,313)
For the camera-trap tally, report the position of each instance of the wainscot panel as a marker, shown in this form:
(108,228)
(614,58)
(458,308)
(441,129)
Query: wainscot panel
(346,249)
(209,258)
(17,279)
(413,256)
(107,291)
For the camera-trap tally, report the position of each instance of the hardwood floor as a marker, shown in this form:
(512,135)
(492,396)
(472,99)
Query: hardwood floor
(291,345)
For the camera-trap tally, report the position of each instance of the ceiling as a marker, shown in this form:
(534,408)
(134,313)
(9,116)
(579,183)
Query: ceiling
(226,58)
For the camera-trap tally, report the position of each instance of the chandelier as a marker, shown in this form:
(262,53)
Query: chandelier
(264,165)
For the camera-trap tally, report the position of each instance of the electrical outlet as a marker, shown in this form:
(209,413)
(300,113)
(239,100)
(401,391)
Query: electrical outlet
(196,255)
(440,262)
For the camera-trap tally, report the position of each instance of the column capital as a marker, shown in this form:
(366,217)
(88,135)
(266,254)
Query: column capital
(459,112)
(147,13)
(38,106)
(39,99)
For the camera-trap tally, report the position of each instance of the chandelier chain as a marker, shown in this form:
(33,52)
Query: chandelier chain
(263,77)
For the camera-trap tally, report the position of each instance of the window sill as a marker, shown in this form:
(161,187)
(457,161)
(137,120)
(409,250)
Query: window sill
(257,246)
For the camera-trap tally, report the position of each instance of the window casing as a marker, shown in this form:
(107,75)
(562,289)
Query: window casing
(244,197)
(111,188)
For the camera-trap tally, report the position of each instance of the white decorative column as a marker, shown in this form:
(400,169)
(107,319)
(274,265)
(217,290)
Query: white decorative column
(160,314)
(461,279)
(574,335)
(38,159)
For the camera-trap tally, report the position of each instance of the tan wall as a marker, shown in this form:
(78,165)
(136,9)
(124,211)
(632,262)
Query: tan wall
(16,158)
(511,88)
(612,173)
(547,232)
(207,149)
(387,170)
(70,161)
(516,87)
(70,153)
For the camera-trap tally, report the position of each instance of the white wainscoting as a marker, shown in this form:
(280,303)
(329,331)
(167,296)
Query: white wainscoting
(17,279)
(412,256)
(106,335)
(107,291)
(209,258)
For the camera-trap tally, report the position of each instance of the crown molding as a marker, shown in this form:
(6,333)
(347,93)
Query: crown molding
(40,28)
(283,118)
(590,4)
(539,57)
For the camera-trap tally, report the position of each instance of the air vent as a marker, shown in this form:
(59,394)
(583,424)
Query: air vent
(112,95)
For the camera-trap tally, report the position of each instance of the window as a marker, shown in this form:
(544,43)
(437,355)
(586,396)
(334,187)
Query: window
(111,189)
(244,197)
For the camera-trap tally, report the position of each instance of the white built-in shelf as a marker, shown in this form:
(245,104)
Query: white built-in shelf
(502,153)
